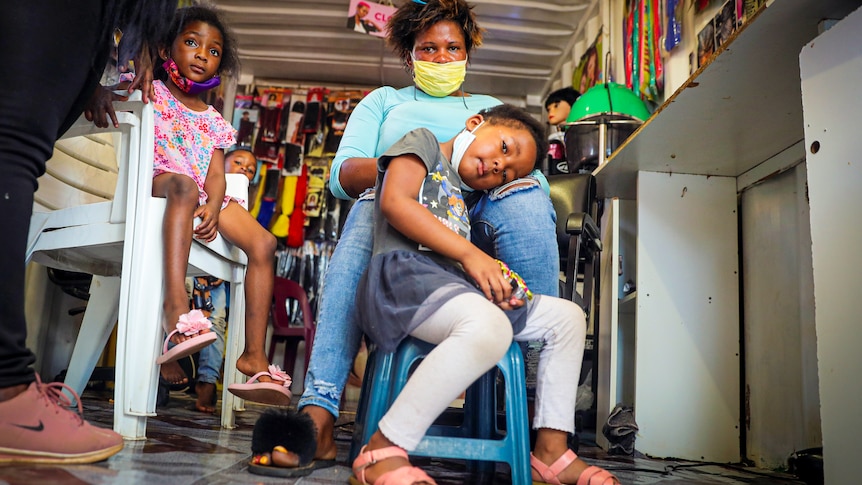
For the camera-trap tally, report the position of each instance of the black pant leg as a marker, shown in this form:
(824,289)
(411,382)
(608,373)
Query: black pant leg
(52,57)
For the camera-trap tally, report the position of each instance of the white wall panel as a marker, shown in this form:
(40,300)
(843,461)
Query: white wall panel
(831,70)
(778,309)
(687,384)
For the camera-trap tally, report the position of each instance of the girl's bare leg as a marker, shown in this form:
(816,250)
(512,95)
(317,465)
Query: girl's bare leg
(181,193)
(240,228)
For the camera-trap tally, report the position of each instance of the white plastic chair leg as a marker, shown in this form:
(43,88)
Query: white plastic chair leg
(140,333)
(136,384)
(234,345)
(96,327)
(37,223)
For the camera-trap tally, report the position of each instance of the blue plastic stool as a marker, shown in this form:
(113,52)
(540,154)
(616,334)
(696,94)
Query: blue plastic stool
(478,438)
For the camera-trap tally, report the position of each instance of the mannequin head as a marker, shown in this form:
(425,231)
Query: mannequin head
(559,103)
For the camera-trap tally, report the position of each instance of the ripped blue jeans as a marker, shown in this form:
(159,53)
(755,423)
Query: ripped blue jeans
(212,356)
(515,224)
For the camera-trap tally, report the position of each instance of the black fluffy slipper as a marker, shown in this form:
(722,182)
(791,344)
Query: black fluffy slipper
(293,431)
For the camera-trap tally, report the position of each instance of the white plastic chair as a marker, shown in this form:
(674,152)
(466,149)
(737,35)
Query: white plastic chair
(119,241)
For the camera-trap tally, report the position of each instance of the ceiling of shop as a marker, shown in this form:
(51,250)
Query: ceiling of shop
(306,41)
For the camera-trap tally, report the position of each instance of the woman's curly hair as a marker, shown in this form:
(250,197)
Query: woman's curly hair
(229,64)
(412,18)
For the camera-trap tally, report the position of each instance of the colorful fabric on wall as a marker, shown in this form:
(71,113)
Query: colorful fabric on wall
(287,202)
(296,231)
(641,34)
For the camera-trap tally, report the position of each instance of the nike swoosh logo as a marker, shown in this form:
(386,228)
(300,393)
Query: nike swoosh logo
(38,427)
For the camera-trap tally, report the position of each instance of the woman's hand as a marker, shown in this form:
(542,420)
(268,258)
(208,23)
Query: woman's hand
(144,75)
(207,230)
(100,107)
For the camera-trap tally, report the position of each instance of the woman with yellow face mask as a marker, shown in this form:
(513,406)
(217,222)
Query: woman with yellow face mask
(515,223)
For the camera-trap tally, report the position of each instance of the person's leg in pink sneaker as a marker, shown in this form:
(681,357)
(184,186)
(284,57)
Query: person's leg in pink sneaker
(36,426)
(40,98)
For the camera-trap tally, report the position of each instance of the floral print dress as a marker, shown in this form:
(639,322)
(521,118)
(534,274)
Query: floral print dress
(186,139)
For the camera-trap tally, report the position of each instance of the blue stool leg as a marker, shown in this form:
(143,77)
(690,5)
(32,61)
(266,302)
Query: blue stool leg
(481,403)
(385,376)
(517,425)
(362,407)
(480,415)
(374,399)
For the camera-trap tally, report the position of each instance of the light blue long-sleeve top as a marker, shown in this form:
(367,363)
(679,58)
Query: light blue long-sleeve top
(386,114)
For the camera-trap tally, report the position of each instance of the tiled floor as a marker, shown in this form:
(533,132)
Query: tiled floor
(186,447)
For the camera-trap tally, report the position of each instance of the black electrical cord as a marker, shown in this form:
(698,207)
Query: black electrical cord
(693,466)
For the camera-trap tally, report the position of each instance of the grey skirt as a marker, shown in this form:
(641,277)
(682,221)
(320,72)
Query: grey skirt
(401,289)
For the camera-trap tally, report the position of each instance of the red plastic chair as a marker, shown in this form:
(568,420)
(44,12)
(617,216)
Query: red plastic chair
(282,310)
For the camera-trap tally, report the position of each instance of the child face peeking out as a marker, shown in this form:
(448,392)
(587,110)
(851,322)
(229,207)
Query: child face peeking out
(241,161)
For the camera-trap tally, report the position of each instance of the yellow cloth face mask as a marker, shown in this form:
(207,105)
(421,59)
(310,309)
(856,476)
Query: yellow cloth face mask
(439,80)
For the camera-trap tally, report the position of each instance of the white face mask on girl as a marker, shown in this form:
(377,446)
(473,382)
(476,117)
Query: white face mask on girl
(439,80)
(459,148)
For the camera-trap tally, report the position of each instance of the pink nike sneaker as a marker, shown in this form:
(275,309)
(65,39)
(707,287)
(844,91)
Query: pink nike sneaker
(37,427)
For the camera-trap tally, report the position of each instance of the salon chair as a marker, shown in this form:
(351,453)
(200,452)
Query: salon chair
(573,196)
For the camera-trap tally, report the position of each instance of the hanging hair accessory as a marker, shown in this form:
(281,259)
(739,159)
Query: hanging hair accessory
(185,84)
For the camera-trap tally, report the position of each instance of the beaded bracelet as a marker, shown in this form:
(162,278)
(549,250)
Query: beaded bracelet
(519,287)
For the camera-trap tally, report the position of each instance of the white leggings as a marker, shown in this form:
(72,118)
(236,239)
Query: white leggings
(472,335)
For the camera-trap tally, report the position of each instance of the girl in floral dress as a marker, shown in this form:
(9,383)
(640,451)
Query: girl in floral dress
(189,173)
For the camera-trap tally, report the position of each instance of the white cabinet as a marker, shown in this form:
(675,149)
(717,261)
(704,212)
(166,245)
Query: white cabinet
(736,120)
(684,346)
(831,69)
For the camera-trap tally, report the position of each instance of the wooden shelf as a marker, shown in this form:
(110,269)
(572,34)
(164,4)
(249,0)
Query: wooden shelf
(627,303)
(741,108)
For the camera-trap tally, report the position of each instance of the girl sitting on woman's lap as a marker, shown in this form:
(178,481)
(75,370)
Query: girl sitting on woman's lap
(427,280)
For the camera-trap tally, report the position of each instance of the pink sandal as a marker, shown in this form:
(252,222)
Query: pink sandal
(276,393)
(593,475)
(406,475)
(190,323)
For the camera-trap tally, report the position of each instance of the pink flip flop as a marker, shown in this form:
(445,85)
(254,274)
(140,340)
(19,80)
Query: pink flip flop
(190,323)
(276,393)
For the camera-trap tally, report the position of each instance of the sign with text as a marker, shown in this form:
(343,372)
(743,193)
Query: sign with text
(368,17)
